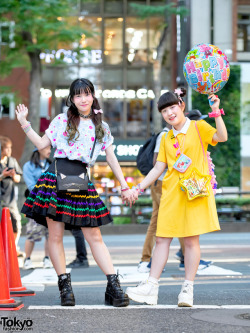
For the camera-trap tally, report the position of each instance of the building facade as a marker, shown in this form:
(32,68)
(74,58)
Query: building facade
(119,57)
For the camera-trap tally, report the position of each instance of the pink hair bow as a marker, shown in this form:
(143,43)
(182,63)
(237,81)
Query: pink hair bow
(178,91)
(98,111)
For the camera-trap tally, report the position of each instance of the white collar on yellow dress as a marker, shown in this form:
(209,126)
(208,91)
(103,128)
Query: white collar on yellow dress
(184,128)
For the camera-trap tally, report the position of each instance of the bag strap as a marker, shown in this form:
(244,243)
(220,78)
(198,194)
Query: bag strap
(92,152)
(200,140)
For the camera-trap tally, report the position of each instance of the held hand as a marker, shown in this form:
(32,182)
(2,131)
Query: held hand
(128,197)
(7,173)
(21,113)
(216,100)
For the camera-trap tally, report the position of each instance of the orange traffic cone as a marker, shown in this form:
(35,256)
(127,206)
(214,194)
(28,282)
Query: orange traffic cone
(6,303)
(13,273)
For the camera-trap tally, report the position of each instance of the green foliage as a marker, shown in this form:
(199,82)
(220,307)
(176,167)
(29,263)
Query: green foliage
(163,10)
(121,220)
(37,29)
(226,156)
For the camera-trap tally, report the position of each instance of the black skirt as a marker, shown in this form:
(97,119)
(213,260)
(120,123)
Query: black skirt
(75,210)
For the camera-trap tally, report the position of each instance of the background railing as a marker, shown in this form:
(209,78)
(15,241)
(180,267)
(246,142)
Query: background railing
(231,207)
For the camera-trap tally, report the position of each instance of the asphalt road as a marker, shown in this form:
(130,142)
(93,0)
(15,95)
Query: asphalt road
(222,292)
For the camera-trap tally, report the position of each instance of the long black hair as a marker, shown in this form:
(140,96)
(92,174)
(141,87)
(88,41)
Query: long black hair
(77,87)
(170,98)
(35,159)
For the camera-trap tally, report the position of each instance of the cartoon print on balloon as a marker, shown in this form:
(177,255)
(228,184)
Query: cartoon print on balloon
(206,69)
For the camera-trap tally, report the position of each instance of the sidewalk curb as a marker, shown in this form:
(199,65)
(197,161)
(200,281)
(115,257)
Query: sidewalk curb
(133,229)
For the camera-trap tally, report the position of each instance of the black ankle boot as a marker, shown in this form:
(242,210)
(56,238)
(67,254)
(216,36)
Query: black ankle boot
(66,292)
(114,294)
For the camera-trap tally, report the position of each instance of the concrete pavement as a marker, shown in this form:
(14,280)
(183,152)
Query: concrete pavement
(222,302)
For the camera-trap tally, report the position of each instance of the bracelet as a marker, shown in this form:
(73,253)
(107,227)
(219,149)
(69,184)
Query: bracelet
(125,189)
(27,125)
(26,128)
(216,114)
(138,188)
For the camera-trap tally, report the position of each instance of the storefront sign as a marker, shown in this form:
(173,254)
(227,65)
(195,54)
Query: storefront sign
(125,150)
(108,94)
(92,57)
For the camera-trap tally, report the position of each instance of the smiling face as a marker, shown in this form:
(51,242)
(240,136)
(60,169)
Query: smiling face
(83,101)
(174,115)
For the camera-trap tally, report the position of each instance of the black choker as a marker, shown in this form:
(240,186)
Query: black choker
(85,117)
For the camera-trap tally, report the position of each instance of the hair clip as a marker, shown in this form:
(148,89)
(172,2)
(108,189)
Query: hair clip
(98,111)
(178,92)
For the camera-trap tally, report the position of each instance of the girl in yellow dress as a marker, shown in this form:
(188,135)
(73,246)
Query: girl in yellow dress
(185,210)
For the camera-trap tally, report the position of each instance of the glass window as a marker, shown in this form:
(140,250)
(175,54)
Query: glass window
(136,42)
(7,106)
(137,77)
(243,37)
(137,114)
(113,53)
(113,112)
(93,25)
(112,78)
(113,6)
(7,33)
(155,28)
(90,7)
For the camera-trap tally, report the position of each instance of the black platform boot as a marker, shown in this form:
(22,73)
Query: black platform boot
(114,294)
(66,292)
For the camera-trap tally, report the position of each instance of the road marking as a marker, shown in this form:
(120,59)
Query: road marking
(42,276)
(34,286)
(216,270)
(132,307)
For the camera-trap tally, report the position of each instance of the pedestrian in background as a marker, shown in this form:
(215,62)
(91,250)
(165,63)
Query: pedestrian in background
(10,174)
(75,135)
(32,170)
(183,151)
(81,260)
(156,190)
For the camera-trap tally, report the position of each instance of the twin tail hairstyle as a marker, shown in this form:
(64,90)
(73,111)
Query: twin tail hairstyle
(77,87)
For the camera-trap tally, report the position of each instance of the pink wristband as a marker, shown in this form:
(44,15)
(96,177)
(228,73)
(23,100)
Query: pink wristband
(125,189)
(216,114)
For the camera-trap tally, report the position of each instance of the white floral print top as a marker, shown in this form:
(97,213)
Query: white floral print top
(80,149)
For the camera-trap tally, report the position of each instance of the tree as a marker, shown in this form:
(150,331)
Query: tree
(39,26)
(165,11)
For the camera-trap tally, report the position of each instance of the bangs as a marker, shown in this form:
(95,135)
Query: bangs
(81,87)
(166,100)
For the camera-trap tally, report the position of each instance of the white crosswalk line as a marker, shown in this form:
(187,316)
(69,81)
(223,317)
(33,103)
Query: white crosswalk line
(134,307)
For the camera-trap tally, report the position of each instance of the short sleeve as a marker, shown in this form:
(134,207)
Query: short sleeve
(108,139)
(162,157)
(158,142)
(206,132)
(51,131)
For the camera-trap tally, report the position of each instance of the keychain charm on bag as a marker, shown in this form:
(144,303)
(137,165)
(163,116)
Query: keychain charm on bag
(182,164)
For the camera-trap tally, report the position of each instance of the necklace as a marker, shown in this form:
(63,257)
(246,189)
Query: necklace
(85,117)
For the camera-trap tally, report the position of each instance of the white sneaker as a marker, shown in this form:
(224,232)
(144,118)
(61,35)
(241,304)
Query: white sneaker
(186,296)
(28,264)
(143,267)
(47,263)
(145,292)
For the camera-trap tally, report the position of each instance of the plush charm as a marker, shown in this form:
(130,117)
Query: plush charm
(196,184)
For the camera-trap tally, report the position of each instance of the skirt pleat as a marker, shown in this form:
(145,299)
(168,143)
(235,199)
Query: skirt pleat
(75,210)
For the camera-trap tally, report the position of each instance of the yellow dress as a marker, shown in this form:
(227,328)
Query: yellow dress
(178,216)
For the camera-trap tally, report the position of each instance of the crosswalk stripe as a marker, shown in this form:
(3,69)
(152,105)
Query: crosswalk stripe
(134,307)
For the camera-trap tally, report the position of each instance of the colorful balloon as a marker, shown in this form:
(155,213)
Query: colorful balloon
(206,68)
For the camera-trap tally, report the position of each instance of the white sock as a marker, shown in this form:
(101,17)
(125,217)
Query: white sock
(153,280)
(189,282)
